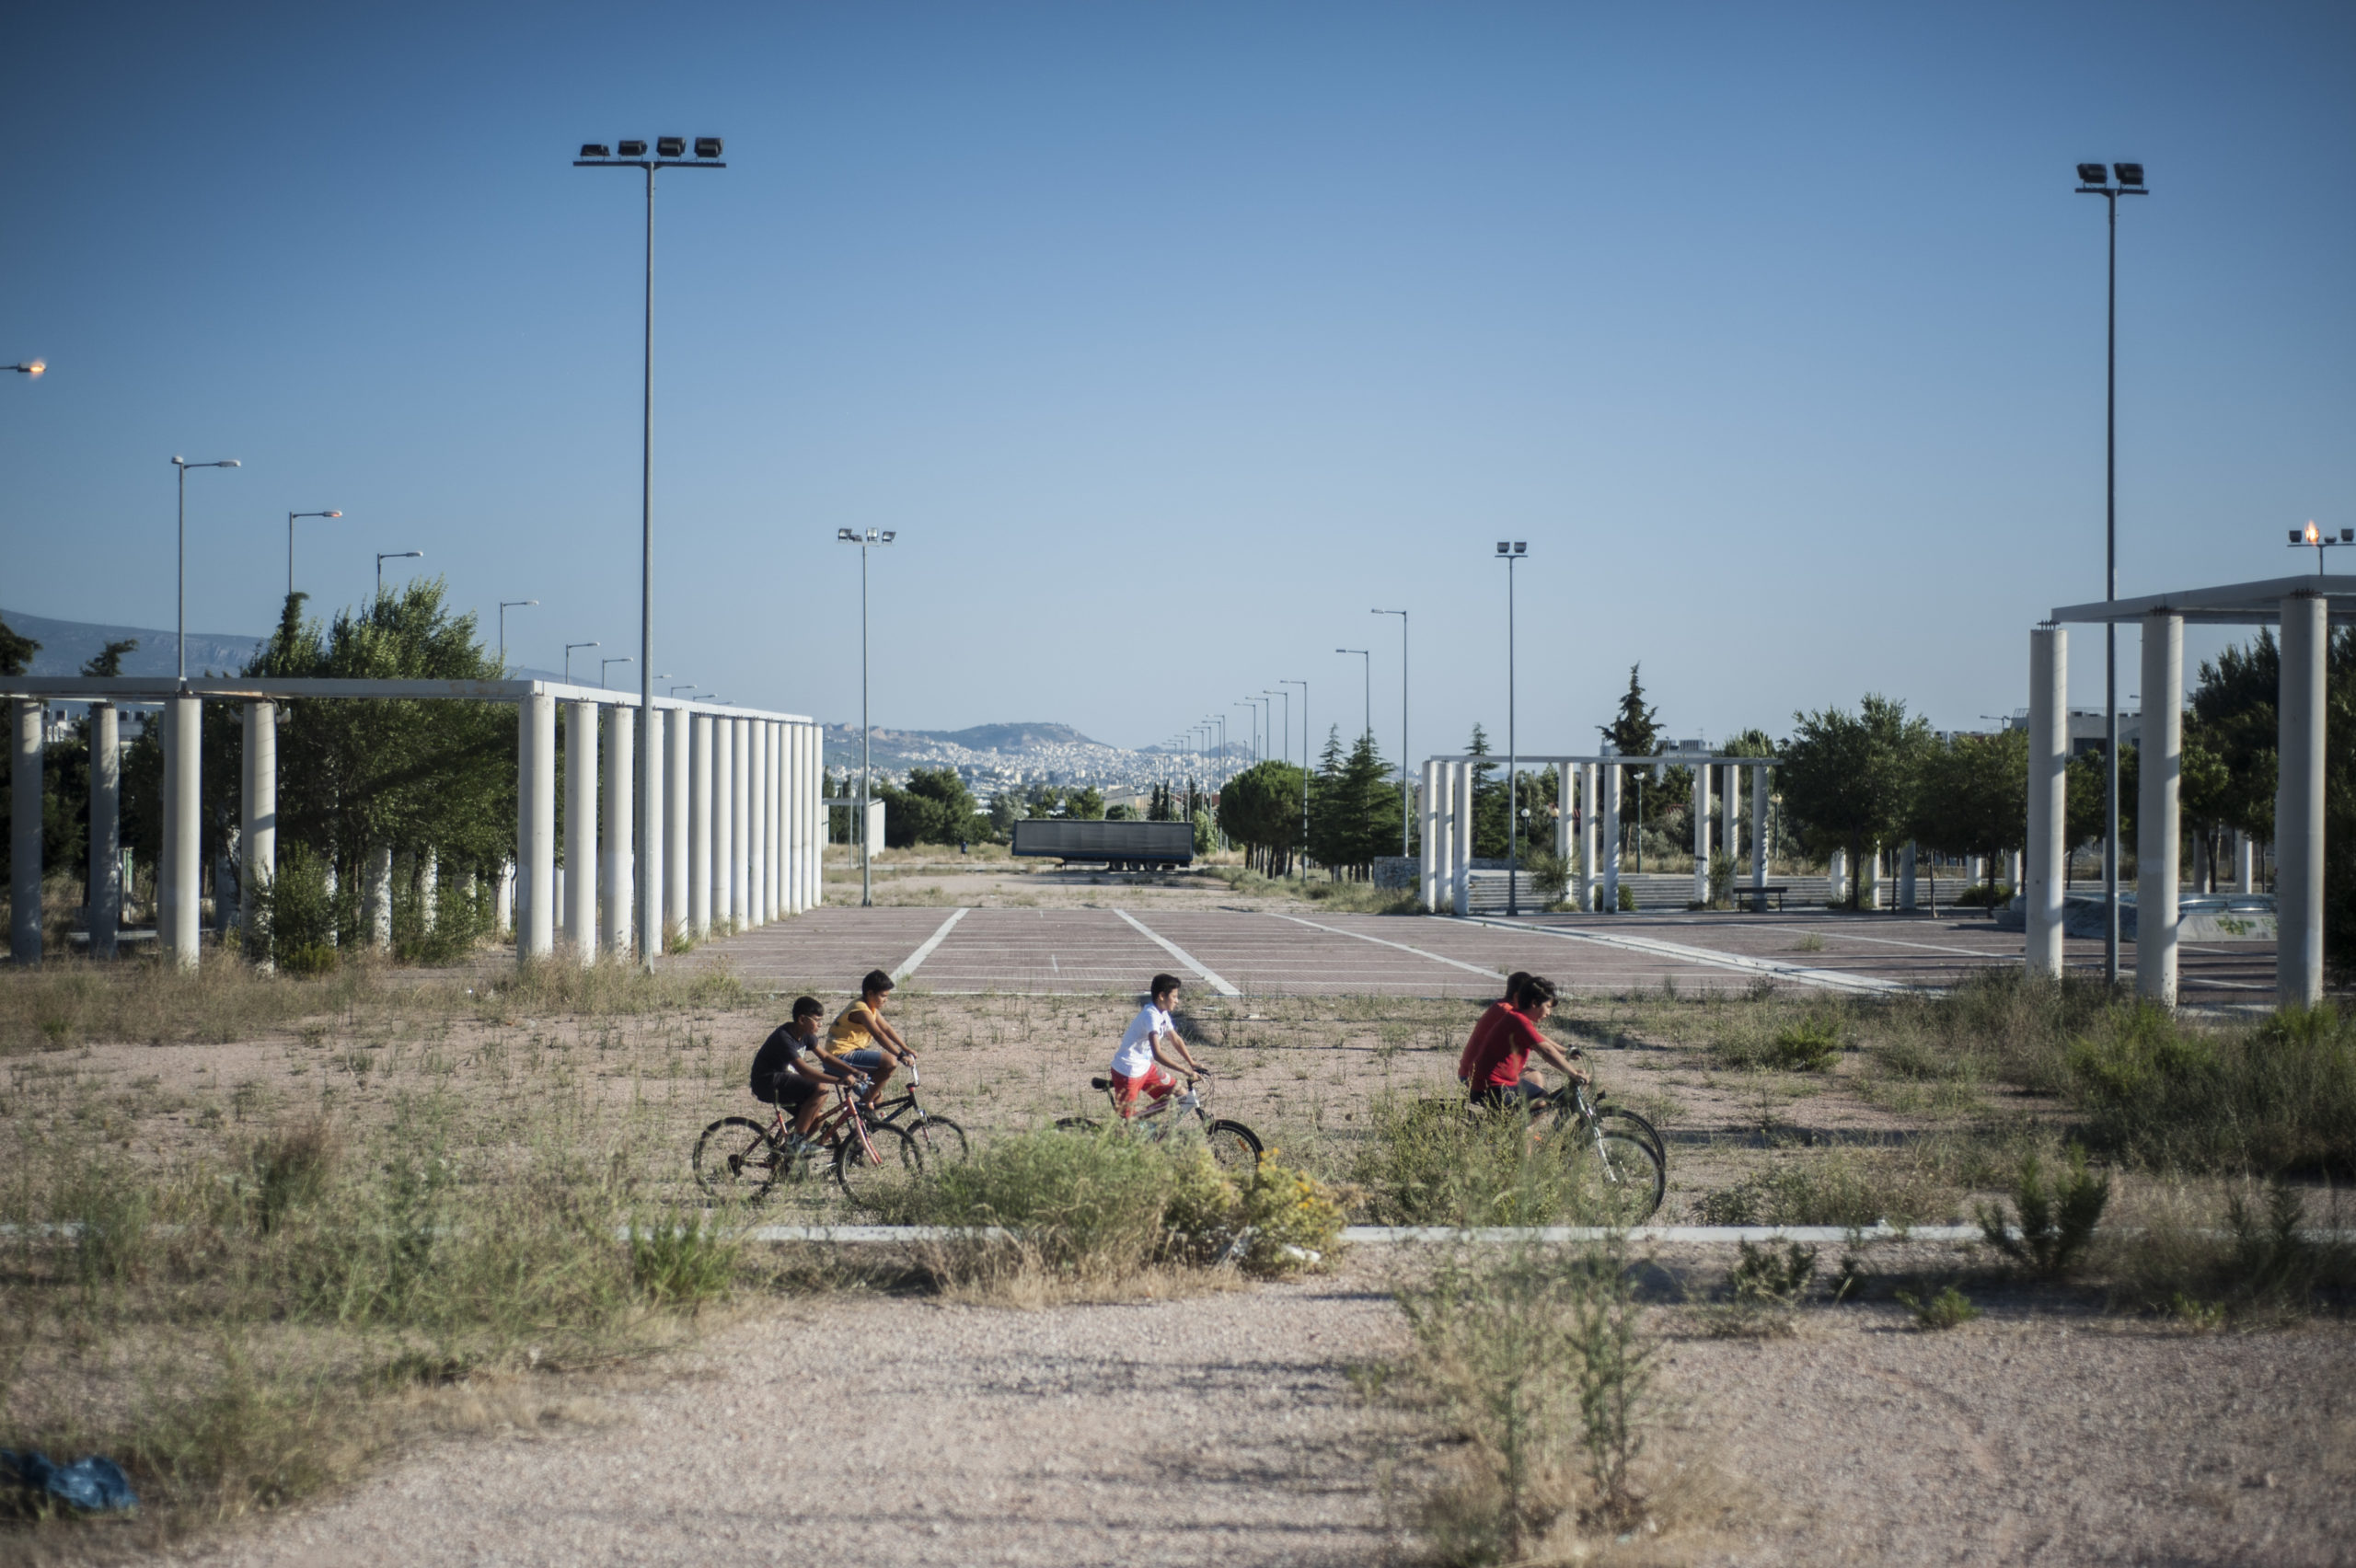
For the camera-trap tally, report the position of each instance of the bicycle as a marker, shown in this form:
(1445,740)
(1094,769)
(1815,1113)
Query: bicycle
(943,1141)
(738,1158)
(1630,1163)
(1234,1147)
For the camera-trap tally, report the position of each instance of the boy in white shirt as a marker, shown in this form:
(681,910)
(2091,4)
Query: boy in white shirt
(1139,1065)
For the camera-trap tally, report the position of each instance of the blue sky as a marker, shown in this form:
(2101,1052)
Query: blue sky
(1173,338)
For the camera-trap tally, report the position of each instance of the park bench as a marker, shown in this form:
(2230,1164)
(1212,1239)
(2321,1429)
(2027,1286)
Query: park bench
(1759,897)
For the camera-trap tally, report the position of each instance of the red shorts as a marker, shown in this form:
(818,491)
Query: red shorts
(1155,1082)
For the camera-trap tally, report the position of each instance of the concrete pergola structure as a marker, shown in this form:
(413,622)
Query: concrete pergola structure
(2305,608)
(736,832)
(1446,872)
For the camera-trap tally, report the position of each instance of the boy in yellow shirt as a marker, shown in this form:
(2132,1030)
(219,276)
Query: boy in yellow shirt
(860,1038)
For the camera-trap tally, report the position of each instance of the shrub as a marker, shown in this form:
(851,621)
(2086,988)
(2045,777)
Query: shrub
(296,915)
(1806,1046)
(1760,1277)
(1539,1364)
(1430,1162)
(288,1169)
(2052,1235)
(1834,1187)
(1291,1219)
(683,1263)
(1949,1309)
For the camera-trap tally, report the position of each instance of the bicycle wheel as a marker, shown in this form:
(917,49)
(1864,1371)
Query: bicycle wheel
(736,1160)
(1235,1146)
(1617,1178)
(943,1141)
(1639,1126)
(872,1183)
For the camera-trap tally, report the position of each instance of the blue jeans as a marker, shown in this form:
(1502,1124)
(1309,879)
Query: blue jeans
(869,1060)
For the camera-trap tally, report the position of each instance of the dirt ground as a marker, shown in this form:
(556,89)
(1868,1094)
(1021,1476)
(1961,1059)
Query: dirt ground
(1226,1428)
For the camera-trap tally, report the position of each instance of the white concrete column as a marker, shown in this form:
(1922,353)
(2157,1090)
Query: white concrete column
(2245,862)
(1428,857)
(377,897)
(654,838)
(2298,804)
(1565,800)
(723,820)
(1836,866)
(1730,811)
(1461,808)
(1590,836)
(1759,827)
(2159,773)
(740,830)
(503,897)
(748,740)
(2048,773)
(819,814)
(429,889)
(700,827)
(1701,772)
(178,876)
(24,830)
(616,861)
(757,812)
(536,826)
(1878,867)
(258,809)
(797,827)
(106,828)
(581,829)
(678,800)
(773,802)
(1612,776)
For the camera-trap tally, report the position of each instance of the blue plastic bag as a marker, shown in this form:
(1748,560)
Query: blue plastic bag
(94,1485)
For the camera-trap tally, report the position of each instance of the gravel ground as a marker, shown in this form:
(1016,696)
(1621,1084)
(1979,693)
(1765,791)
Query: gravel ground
(1223,1428)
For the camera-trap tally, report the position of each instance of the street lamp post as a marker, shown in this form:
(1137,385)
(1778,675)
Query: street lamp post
(1512,554)
(183,465)
(1407,794)
(2093,182)
(568,657)
(384,555)
(872,540)
(603,664)
(290,544)
(1255,726)
(1304,772)
(505,606)
(1366,657)
(35,368)
(688,686)
(670,152)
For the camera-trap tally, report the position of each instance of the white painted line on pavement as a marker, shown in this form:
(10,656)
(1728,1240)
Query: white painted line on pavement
(1381,941)
(1180,954)
(930,942)
(1829,979)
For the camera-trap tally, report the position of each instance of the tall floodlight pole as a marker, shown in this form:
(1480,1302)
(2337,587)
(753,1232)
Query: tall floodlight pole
(183,465)
(1512,554)
(670,152)
(872,540)
(2093,182)
(1304,772)
(505,606)
(1406,793)
(290,544)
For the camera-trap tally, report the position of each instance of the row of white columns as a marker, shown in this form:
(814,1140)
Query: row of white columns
(735,834)
(1590,795)
(2298,802)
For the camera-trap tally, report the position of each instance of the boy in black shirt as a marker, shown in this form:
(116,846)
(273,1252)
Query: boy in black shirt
(788,1069)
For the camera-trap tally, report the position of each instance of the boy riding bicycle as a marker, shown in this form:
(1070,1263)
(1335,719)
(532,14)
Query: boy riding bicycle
(789,1070)
(1140,1065)
(1501,1043)
(861,1039)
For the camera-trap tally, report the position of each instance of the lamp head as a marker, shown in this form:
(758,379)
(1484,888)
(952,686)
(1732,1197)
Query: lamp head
(330,513)
(2311,534)
(2130,174)
(1504,548)
(633,149)
(889,536)
(2347,535)
(33,368)
(671,146)
(2296,537)
(595,150)
(846,535)
(2091,174)
(707,146)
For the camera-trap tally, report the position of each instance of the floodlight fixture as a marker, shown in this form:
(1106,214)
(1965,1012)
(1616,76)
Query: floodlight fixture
(595,150)
(633,149)
(2320,540)
(670,146)
(2130,174)
(31,368)
(2092,174)
(707,146)
(846,535)
(1504,548)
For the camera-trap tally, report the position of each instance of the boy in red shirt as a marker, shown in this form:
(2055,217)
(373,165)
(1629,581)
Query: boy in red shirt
(1499,1051)
(1488,1020)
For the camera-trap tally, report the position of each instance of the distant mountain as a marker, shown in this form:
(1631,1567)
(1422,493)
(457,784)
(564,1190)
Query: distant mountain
(1009,737)
(66,646)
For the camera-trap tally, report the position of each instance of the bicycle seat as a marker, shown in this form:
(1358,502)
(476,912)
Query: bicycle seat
(1100,1083)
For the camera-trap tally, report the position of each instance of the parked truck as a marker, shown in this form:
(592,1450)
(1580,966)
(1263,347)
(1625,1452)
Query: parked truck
(1122,846)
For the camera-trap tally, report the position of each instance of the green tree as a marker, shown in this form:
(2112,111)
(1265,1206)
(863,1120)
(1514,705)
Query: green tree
(935,808)
(1086,805)
(1971,796)
(1354,808)
(1848,779)
(1260,809)
(16,651)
